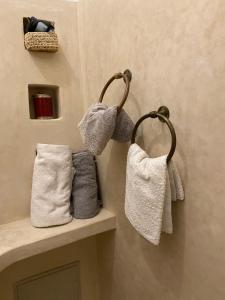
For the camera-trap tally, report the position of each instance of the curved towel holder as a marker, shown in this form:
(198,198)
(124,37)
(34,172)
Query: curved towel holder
(163,115)
(127,76)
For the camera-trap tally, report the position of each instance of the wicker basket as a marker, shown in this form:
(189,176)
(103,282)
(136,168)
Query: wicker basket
(41,41)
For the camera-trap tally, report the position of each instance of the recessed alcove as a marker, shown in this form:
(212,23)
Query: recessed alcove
(51,90)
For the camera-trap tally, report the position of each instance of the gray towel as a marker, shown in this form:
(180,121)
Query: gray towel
(85,190)
(101,123)
(124,128)
(51,188)
(97,127)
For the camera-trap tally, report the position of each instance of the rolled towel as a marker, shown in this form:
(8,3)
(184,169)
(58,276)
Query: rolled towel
(124,128)
(97,127)
(151,185)
(51,188)
(85,190)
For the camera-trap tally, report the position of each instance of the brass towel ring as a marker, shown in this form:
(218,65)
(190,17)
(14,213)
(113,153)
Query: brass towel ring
(127,76)
(163,115)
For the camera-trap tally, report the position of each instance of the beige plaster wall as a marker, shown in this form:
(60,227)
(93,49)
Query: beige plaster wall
(175,50)
(79,251)
(18,68)
(19,134)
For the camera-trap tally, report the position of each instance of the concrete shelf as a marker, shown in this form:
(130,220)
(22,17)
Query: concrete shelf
(19,240)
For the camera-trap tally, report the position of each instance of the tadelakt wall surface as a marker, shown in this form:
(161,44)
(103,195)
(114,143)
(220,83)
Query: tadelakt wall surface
(76,253)
(19,134)
(18,68)
(175,50)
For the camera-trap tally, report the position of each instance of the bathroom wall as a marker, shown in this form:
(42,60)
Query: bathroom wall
(40,264)
(18,68)
(175,50)
(19,134)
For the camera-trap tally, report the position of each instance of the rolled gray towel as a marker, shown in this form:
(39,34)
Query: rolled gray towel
(124,128)
(97,127)
(101,123)
(85,190)
(51,187)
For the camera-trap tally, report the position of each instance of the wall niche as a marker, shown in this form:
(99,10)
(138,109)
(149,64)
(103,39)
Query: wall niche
(43,101)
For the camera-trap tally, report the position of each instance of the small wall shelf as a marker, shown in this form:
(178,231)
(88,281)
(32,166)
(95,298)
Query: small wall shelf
(19,240)
(51,90)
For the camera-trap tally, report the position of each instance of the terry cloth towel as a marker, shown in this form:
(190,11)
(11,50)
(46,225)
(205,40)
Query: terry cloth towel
(124,128)
(85,190)
(150,188)
(97,127)
(101,123)
(51,188)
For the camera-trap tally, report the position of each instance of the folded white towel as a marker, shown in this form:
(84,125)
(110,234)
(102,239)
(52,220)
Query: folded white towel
(51,188)
(149,193)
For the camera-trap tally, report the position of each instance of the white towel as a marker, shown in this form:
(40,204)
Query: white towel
(51,188)
(149,193)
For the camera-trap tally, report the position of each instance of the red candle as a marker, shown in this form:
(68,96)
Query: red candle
(43,106)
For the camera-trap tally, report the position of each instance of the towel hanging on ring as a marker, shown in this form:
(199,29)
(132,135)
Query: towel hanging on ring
(101,123)
(151,186)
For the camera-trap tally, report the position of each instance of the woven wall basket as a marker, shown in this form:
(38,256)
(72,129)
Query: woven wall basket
(41,41)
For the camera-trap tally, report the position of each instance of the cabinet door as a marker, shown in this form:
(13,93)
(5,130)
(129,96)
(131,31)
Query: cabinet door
(62,283)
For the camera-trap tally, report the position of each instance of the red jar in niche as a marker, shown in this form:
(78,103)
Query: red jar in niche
(43,106)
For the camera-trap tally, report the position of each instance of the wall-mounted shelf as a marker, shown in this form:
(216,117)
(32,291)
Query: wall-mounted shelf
(51,90)
(19,240)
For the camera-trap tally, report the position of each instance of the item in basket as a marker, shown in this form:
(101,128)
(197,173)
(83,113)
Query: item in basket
(37,25)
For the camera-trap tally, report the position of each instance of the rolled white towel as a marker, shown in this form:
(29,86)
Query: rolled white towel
(51,187)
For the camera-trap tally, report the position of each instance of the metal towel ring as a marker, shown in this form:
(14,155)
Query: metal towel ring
(163,115)
(127,76)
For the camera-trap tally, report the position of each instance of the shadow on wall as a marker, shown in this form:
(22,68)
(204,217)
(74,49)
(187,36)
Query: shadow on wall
(125,253)
(45,62)
(106,253)
(167,260)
